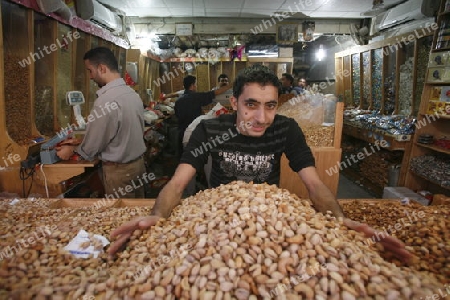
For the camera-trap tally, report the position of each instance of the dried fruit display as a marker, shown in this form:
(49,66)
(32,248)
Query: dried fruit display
(17,100)
(238,241)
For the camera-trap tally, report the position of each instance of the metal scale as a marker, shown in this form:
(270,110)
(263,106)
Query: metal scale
(48,151)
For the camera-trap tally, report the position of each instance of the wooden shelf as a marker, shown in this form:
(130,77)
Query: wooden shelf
(366,182)
(429,180)
(440,49)
(195,59)
(64,170)
(438,83)
(72,164)
(434,148)
(439,116)
(367,135)
(433,124)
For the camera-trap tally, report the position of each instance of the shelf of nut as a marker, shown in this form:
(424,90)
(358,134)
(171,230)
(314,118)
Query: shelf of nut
(17,100)
(316,135)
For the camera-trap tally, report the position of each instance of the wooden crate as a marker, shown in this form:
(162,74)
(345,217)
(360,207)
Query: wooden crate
(134,203)
(81,203)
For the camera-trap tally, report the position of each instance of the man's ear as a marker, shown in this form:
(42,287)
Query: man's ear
(233,102)
(102,68)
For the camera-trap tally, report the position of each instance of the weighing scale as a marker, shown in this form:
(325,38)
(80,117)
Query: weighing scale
(75,99)
(48,151)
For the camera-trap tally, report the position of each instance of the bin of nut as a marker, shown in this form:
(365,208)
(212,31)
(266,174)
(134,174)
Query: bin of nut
(309,117)
(237,241)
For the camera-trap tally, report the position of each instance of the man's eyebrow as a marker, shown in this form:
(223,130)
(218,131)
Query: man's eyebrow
(251,100)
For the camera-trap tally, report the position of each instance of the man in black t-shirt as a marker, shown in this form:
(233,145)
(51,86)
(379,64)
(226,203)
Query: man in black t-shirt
(237,156)
(248,146)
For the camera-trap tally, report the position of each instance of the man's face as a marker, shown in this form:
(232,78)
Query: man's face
(194,86)
(256,108)
(95,73)
(223,82)
(302,83)
(285,82)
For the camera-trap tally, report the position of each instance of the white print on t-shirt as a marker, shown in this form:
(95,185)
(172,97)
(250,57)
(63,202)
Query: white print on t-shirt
(247,167)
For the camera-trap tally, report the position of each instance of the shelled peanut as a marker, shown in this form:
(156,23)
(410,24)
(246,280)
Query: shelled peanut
(425,230)
(238,241)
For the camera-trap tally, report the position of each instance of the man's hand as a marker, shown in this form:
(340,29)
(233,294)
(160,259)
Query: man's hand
(389,243)
(126,230)
(71,141)
(65,151)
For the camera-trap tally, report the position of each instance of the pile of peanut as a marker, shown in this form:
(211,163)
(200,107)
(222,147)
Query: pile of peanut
(238,241)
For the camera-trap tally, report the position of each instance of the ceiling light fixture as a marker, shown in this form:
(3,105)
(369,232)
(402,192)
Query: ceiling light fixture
(320,54)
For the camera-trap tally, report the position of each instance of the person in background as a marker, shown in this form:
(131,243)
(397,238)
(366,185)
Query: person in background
(287,82)
(256,139)
(176,94)
(302,84)
(189,106)
(115,129)
(222,80)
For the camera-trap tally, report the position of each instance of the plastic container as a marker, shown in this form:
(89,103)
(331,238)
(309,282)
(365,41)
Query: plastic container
(329,108)
(393,175)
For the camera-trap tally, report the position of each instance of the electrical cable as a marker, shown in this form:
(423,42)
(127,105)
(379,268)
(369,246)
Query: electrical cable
(45,180)
(24,175)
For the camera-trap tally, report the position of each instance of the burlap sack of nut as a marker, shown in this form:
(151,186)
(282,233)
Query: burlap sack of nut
(238,241)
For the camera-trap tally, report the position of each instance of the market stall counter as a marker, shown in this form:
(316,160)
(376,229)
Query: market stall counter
(58,178)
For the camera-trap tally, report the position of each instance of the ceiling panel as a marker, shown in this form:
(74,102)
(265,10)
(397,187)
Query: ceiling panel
(122,4)
(229,4)
(335,15)
(223,13)
(301,6)
(245,8)
(266,4)
(151,12)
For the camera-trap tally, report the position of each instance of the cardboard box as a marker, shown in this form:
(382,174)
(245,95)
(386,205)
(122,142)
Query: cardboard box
(403,192)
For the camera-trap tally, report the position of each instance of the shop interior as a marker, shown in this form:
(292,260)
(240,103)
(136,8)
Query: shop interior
(375,113)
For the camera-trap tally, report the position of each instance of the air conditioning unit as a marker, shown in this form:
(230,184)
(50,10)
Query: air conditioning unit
(99,14)
(408,11)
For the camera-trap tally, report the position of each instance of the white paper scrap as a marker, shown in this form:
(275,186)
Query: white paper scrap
(75,245)
(14,201)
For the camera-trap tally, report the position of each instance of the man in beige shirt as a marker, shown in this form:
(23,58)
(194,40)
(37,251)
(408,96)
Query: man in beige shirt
(115,129)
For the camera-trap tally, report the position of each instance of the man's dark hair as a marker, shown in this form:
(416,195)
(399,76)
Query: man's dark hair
(255,74)
(102,55)
(188,81)
(288,77)
(222,76)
